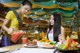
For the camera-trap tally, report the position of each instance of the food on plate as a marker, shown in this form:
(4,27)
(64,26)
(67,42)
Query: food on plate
(52,43)
(48,45)
(32,43)
(44,40)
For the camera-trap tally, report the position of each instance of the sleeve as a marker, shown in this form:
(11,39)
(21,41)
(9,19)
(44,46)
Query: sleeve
(9,15)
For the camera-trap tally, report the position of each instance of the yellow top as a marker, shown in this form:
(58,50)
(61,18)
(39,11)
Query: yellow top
(13,20)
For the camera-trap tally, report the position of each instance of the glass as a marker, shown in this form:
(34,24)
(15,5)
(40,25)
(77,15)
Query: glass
(24,40)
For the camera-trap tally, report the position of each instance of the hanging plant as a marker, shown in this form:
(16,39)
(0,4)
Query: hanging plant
(41,0)
(66,0)
(16,0)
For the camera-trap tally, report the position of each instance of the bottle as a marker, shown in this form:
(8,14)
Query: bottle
(42,34)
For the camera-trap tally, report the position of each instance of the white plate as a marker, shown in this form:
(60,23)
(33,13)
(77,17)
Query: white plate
(32,46)
(4,49)
(48,47)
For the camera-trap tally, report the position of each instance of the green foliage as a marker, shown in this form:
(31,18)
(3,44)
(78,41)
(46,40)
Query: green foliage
(66,0)
(52,43)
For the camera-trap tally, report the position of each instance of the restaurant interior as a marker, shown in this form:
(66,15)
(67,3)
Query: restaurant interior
(36,23)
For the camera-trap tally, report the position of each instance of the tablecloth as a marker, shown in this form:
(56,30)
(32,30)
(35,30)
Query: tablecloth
(34,50)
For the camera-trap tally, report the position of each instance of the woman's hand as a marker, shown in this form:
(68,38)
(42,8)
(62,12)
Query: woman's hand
(10,30)
(61,38)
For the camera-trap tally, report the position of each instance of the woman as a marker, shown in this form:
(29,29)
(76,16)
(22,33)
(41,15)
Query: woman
(11,22)
(55,29)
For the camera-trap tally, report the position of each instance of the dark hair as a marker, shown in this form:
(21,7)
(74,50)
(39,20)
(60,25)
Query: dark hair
(57,20)
(57,25)
(27,2)
(50,27)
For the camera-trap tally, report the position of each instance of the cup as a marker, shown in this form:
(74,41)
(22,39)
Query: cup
(24,40)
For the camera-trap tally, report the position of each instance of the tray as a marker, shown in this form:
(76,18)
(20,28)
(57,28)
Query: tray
(68,51)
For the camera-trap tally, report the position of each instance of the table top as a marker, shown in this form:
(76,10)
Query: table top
(19,49)
(12,47)
(34,50)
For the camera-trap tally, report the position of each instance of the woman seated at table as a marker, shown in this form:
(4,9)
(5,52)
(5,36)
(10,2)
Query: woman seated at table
(55,30)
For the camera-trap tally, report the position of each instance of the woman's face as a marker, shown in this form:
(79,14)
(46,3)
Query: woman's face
(25,9)
(52,20)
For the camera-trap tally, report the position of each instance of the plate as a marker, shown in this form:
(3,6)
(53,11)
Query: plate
(48,47)
(31,46)
(4,50)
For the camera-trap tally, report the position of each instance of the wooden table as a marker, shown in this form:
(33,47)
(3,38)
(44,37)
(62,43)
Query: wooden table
(12,47)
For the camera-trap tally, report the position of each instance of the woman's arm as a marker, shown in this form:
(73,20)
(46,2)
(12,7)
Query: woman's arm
(62,31)
(1,19)
(61,36)
(4,27)
(47,30)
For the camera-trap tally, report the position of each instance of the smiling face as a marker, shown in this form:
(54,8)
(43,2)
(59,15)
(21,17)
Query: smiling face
(25,9)
(52,20)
